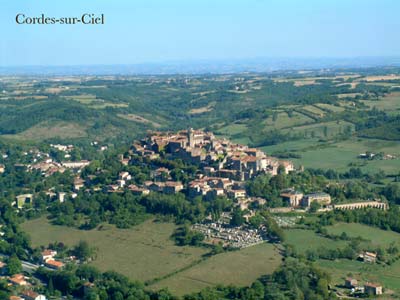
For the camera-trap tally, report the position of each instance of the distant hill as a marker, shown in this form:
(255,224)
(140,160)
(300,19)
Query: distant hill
(257,109)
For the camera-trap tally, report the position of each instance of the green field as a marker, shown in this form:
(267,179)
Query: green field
(388,276)
(146,252)
(339,269)
(389,103)
(317,129)
(304,240)
(314,110)
(283,120)
(342,153)
(143,252)
(232,129)
(330,107)
(238,268)
(339,155)
(47,130)
(377,236)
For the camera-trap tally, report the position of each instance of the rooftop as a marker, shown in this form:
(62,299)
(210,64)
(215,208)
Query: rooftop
(30,293)
(374,285)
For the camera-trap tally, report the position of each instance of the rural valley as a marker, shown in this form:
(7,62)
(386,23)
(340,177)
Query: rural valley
(191,185)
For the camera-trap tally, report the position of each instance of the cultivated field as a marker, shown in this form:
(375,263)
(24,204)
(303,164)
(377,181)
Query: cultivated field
(389,103)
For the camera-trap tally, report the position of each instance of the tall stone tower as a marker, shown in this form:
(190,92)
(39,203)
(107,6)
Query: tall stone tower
(191,137)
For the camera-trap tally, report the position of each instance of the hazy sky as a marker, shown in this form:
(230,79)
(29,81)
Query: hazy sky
(141,31)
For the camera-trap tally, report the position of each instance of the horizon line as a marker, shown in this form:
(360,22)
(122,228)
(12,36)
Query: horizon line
(213,60)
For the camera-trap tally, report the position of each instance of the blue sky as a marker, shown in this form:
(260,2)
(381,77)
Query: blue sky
(142,31)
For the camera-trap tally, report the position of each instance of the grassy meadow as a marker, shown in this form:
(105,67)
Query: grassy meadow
(146,252)
(376,236)
(237,268)
(304,240)
(388,276)
(338,155)
(339,269)
(142,253)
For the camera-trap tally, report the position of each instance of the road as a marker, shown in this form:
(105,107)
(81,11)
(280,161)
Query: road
(26,265)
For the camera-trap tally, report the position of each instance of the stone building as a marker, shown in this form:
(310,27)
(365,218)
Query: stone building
(373,288)
(321,198)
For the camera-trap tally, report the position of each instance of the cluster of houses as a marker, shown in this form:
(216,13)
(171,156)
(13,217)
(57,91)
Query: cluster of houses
(63,148)
(117,186)
(22,200)
(368,287)
(377,156)
(48,259)
(224,165)
(29,295)
(218,157)
(35,159)
(48,167)
(22,285)
(211,187)
(42,161)
(235,237)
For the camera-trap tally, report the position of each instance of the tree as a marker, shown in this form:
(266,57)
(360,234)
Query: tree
(185,236)
(4,289)
(14,265)
(237,217)
(281,169)
(83,251)
(256,221)
(314,206)
(88,272)
(50,286)
(217,248)
(392,193)
(322,288)
(275,116)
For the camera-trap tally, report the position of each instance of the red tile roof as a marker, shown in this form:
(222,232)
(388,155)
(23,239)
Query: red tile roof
(30,294)
(54,263)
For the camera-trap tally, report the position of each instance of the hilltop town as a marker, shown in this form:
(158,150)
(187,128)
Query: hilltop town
(224,165)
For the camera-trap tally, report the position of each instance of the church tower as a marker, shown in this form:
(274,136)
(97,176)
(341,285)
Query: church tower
(191,137)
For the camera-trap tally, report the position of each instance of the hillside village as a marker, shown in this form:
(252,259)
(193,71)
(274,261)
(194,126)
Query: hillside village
(224,169)
(224,165)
